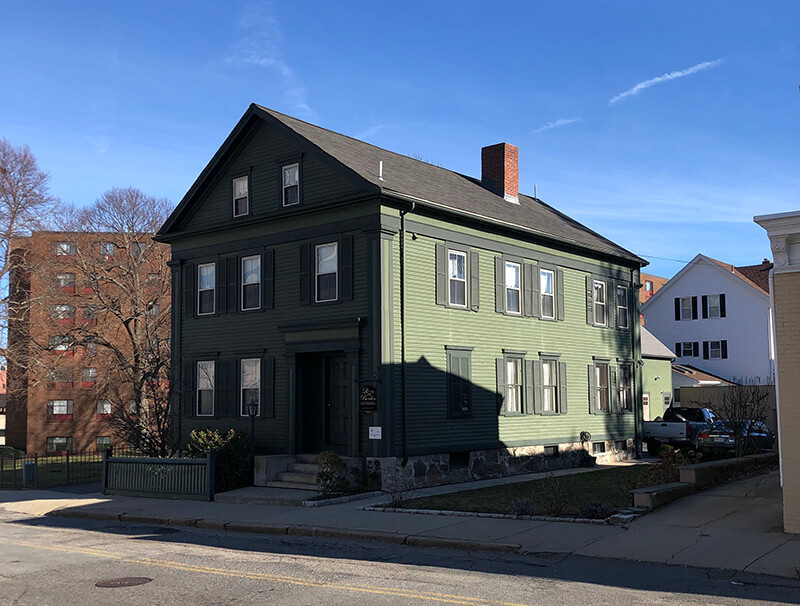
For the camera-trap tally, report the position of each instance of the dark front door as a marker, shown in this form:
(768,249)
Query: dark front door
(324,385)
(337,402)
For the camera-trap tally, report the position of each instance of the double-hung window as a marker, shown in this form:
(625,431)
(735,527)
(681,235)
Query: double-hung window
(622,307)
(550,401)
(514,385)
(62,313)
(205,388)
(102,443)
(241,198)
(513,290)
(89,377)
(107,249)
(601,386)
(547,293)
(715,349)
(59,444)
(104,407)
(457,277)
(686,308)
(625,388)
(64,280)
(291,184)
(326,272)
(714,306)
(250,386)
(59,408)
(459,381)
(599,302)
(64,249)
(251,282)
(61,343)
(206,286)
(687,349)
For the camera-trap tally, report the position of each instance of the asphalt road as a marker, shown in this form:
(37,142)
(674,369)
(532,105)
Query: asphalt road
(54,561)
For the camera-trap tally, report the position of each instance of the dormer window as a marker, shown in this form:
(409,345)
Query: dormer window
(241,198)
(291,184)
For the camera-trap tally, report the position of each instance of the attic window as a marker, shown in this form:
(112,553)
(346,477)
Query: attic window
(241,199)
(291,184)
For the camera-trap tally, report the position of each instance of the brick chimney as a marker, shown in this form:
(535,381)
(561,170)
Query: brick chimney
(500,172)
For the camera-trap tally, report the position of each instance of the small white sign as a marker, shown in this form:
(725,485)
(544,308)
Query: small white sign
(374,433)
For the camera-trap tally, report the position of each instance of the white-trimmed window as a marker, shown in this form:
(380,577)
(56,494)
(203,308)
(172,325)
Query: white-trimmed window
(104,407)
(547,293)
(206,287)
(714,307)
(251,282)
(64,248)
(59,407)
(625,388)
(326,272)
(241,198)
(622,307)
(687,349)
(513,290)
(686,308)
(514,385)
(599,301)
(549,385)
(601,385)
(59,444)
(205,388)
(457,277)
(291,184)
(715,349)
(251,385)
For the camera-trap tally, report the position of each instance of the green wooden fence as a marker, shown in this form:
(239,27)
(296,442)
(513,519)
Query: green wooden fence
(164,478)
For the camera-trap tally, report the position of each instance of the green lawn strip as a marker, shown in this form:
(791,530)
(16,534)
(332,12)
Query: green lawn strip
(609,486)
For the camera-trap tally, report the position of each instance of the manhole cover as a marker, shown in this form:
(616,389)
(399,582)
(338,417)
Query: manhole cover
(123,582)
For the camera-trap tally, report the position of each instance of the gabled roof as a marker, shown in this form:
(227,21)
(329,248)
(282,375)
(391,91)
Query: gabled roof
(701,376)
(653,348)
(758,274)
(739,274)
(427,185)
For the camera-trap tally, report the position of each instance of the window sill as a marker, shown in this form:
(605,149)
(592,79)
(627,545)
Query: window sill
(102,417)
(88,384)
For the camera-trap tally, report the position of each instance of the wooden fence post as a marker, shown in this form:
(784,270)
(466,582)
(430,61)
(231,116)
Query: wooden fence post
(211,460)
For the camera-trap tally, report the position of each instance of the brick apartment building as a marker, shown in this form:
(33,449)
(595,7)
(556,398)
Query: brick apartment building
(76,301)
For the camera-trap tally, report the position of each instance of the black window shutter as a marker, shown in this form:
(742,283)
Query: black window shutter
(268,280)
(227,388)
(536,310)
(678,349)
(527,289)
(346,263)
(441,275)
(189,291)
(559,294)
(696,349)
(305,274)
(592,391)
(590,300)
(611,303)
(677,308)
(499,285)
(705,306)
(705,350)
(722,306)
(268,388)
(188,390)
(694,308)
(724,350)
(538,392)
(501,385)
(531,384)
(613,387)
(562,388)
(234,264)
(474,281)
(221,285)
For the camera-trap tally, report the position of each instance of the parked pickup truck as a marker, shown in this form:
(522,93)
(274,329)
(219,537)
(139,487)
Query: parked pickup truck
(678,427)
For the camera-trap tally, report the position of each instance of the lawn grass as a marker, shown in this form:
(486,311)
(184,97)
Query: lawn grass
(609,486)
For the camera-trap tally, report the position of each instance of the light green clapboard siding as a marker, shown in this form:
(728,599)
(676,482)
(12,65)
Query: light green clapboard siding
(429,327)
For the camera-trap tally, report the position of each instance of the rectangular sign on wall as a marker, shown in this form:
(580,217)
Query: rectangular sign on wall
(374,433)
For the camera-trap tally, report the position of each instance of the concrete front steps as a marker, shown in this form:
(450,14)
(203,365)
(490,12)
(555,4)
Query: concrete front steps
(301,475)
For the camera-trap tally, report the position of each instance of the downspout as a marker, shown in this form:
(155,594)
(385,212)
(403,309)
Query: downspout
(403,214)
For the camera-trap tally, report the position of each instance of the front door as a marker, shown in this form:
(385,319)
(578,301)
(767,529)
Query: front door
(324,393)
(337,402)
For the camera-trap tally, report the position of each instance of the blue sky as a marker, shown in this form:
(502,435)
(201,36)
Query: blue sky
(116,94)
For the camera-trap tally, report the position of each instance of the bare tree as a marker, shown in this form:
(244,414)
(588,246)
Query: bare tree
(740,406)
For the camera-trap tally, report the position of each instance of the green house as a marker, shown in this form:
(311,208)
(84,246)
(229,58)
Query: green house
(439,326)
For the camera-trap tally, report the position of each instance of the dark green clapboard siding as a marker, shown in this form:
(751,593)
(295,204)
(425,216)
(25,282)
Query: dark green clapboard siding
(261,156)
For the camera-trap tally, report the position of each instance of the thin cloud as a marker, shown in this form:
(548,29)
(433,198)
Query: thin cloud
(370,131)
(261,46)
(556,124)
(700,67)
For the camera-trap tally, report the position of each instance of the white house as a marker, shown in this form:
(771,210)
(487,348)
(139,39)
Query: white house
(717,318)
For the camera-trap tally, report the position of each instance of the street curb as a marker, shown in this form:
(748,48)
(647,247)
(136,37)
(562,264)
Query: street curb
(257,528)
(87,515)
(347,533)
(425,541)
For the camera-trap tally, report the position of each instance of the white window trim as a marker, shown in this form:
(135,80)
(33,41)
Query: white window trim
(622,389)
(689,317)
(599,389)
(242,411)
(283,187)
(213,289)
(622,310)
(317,274)
(517,312)
(246,197)
(683,349)
(604,303)
(212,390)
(242,283)
(711,355)
(459,253)
(552,387)
(69,406)
(718,307)
(520,410)
(552,295)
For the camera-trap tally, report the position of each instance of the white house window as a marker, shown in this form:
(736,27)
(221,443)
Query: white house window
(549,385)
(512,288)
(686,308)
(599,300)
(65,248)
(291,184)
(206,284)
(547,293)
(251,282)
(625,388)
(457,273)
(513,385)
(241,200)
(104,407)
(205,388)
(622,307)
(715,349)
(251,385)
(326,272)
(601,386)
(687,349)
(714,306)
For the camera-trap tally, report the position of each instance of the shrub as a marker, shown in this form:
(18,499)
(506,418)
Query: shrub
(232,450)
(522,506)
(551,493)
(595,510)
(332,476)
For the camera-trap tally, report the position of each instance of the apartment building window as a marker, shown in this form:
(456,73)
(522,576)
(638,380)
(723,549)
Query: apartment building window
(547,293)
(107,249)
(714,306)
(687,349)
(625,388)
(102,443)
(61,344)
(599,387)
(622,307)
(513,287)
(153,310)
(59,378)
(241,197)
(64,249)
(59,444)
(103,408)
(90,314)
(250,385)
(459,381)
(59,409)
(599,302)
(206,288)
(251,282)
(326,272)
(685,308)
(715,350)
(64,280)
(89,377)
(63,313)
(291,184)
(205,388)
(90,347)
(457,277)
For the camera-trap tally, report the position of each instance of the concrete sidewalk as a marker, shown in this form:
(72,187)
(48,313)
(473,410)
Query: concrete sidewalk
(735,526)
